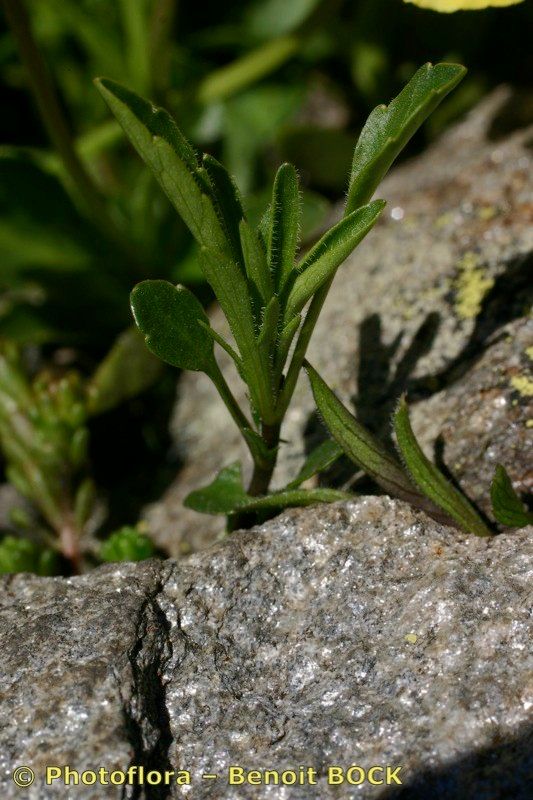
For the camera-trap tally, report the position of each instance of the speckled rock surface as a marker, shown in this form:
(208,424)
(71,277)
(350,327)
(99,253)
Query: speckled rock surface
(364,634)
(79,684)
(432,288)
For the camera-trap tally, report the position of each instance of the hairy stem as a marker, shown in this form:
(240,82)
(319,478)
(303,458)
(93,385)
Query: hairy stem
(262,474)
(300,350)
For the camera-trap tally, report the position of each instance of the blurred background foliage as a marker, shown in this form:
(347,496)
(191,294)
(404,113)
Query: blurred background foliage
(253,83)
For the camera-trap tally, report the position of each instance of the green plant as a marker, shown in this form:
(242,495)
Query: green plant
(44,437)
(127,544)
(271,299)
(414,478)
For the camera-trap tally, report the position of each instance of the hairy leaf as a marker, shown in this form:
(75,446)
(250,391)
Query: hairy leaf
(506,505)
(226,495)
(284,224)
(327,255)
(320,459)
(256,261)
(389,128)
(269,329)
(168,316)
(358,443)
(171,158)
(364,449)
(230,287)
(431,481)
(227,203)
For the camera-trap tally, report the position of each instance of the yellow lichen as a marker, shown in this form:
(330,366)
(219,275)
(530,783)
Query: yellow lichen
(486,213)
(529,352)
(412,638)
(529,423)
(471,286)
(523,384)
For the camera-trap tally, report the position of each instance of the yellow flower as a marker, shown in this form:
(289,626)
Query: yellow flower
(447,6)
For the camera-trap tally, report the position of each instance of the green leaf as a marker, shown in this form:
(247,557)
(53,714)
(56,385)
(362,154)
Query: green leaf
(158,140)
(222,496)
(506,504)
(127,544)
(327,255)
(284,224)
(168,317)
(320,459)
(22,555)
(389,128)
(363,448)
(227,204)
(226,495)
(255,261)
(269,328)
(231,289)
(431,481)
(126,371)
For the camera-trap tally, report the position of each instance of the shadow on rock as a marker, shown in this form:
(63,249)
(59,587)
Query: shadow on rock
(499,772)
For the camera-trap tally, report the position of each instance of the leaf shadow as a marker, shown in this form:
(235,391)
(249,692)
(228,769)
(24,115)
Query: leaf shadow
(499,771)
(379,384)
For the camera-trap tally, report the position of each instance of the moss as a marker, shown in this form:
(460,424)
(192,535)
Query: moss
(471,286)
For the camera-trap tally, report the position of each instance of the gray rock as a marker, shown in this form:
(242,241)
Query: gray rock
(431,289)
(363,634)
(79,665)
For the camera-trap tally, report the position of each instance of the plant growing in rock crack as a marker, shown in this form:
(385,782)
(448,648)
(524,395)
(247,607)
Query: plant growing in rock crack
(271,297)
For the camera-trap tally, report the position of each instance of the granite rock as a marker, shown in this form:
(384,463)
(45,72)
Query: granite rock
(439,281)
(363,634)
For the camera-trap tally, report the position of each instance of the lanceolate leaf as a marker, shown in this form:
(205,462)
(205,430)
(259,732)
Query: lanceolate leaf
(320,459)
(171,158)
(269,328)
(431,481)
(256,261)
(227,203)
(506,505)
(389,128)
(230,287)
(364,449)
(328,254)
(226,495)
(168,316)
(284,224)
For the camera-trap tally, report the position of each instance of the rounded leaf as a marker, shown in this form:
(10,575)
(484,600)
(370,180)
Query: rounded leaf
(168,317)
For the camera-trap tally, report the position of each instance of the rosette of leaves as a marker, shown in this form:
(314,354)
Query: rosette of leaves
(270,294)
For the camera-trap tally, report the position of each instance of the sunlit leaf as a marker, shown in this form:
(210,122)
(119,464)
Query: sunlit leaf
(389,128)
(448,6)
(327,255)
(506,505)
(284,224)
(431,481)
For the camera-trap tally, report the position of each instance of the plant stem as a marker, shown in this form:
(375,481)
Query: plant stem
(231,404)
(55,123)
(262,474)
(69,543)
(300,350)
